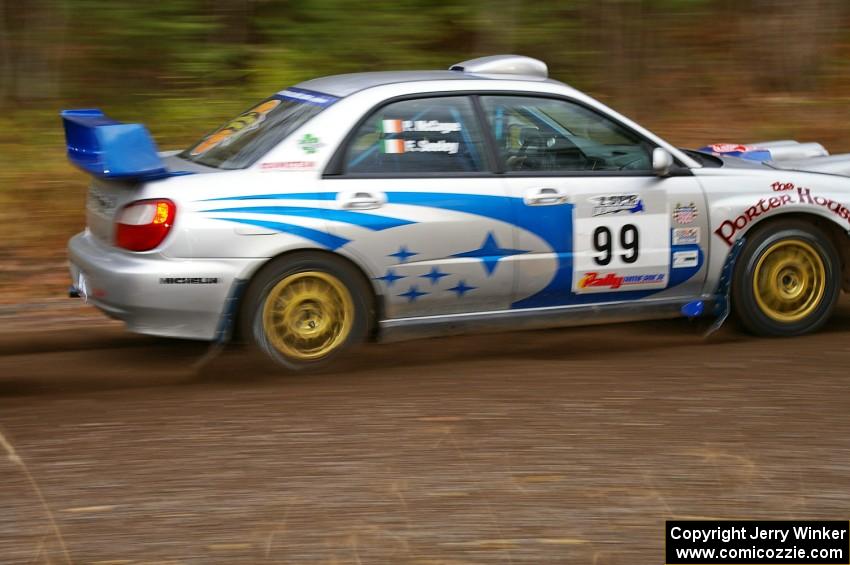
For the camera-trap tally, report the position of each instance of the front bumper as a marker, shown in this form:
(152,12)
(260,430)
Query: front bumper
(153,294)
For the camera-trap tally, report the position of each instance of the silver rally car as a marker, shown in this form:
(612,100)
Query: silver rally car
(398,204)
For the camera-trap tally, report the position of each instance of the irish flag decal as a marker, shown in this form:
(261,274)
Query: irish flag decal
(393,146)
(392,126)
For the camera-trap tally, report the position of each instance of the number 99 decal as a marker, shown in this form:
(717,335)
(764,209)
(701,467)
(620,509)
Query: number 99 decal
(629,243)
(621,250)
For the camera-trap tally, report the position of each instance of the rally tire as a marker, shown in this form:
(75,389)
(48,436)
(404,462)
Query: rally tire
(787,280)
(304,310)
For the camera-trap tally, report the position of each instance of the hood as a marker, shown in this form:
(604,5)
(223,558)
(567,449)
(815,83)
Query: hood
(783,154)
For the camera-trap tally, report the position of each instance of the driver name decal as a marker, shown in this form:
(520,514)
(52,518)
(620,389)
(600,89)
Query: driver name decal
(389,127)
(398,146)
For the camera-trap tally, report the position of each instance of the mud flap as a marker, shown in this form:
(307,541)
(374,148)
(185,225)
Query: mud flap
(722,296)
(224,331)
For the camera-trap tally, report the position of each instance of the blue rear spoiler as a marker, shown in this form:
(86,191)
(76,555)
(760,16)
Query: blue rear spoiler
(110,149)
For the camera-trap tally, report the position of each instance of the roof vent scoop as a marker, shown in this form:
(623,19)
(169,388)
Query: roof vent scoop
(516,65)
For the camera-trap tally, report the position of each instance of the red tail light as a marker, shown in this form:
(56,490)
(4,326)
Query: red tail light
(142,225)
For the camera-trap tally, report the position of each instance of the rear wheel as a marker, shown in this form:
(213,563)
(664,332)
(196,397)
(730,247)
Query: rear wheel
(304,310)
(787,280)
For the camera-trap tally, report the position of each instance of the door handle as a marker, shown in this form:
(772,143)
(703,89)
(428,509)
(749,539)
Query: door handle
(362,200)
(544,197)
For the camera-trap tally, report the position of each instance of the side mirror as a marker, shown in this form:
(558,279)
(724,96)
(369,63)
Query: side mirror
(662,161)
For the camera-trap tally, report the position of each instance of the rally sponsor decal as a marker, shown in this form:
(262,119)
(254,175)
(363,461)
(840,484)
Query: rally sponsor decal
(730,148)
(686,236)
(188,280)
(310,144)
(685,259)
(307,96)
(782,186)
(616,203)
(288,166)
(685,214)
(101,201)
(614,281)
(237,127)
(730,228)
(621,242)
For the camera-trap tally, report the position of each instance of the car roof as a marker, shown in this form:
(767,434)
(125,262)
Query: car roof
(496,67)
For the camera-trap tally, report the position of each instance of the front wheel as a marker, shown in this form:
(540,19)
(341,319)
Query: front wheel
(304,310)
(787,280)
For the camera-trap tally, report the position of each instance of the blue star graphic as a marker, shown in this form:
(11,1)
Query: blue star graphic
(403,254)
(390,278)
(461,288)
(413,294)
(490,253)
(435,275)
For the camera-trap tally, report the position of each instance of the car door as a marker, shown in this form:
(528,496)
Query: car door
(418,203)
(597,224)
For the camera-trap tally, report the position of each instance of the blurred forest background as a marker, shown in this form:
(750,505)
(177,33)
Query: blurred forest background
(694,71)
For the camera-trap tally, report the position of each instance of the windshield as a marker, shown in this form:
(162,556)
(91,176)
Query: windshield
(253,133)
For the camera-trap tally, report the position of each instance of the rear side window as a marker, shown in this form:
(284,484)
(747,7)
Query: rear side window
(428,135)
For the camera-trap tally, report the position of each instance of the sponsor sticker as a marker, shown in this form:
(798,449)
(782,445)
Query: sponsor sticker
(237,127)
(188,280)
(288,166)
(730,148)
(616,203)
(310,144)
(614,281)
(307,96)
(101,201)
(686,236)
(685,213)
(729,228)
(685,259)
(782,186)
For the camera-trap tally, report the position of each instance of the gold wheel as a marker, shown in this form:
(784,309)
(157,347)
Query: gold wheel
(789,280)
(308,315)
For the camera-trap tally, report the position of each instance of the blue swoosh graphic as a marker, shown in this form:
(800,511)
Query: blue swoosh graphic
(282,196)
(320,237)
(553,224)
(370,221)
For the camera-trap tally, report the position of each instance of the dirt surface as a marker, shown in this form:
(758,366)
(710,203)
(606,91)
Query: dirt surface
(567,446)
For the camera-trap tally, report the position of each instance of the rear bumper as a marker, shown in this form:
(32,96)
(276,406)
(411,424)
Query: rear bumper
(156,295)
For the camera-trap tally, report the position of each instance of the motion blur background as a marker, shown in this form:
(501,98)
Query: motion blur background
(694,71)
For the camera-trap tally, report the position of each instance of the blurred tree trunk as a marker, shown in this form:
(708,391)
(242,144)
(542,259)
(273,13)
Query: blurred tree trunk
(790,40)
(30,45)
(234,30)
(496,30)
(6,72)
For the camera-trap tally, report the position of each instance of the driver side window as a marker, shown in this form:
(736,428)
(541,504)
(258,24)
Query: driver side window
(552,135)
